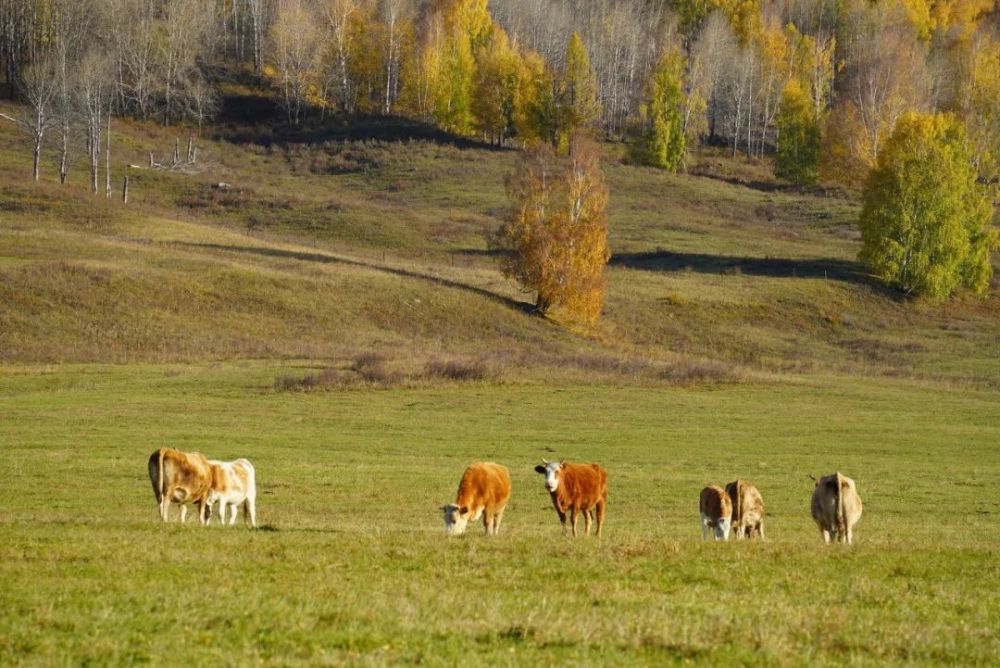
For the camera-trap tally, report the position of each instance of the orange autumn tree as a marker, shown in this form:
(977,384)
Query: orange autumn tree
(556,241)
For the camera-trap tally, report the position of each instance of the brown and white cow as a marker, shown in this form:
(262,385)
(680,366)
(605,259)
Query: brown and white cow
(716,512)
(575,488)
(233,483)
(836,507)
(180,477)
(483,491)
(748,509)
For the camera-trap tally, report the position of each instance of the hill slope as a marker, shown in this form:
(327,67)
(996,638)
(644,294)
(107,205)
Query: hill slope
(331,249)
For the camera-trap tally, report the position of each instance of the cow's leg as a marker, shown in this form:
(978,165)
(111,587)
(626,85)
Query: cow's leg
(234,511)
(574,512)
(826,535)
(488,522)
(496,521)
(847,535)
(704,528)
(165,508)
(599,512)
(184,512)
(249,511)
(760,529)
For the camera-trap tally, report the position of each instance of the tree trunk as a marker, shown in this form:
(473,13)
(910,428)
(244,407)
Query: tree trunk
(64,155)
(107,160)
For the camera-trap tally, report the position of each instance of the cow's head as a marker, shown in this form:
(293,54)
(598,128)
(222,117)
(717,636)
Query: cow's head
(455,519)
(551,472)
(722,527)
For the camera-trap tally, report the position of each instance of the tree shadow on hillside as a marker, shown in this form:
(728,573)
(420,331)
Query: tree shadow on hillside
(257,119)
(324,258)
(702,263)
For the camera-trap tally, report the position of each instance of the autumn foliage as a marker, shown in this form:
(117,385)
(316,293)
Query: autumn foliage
(556,241)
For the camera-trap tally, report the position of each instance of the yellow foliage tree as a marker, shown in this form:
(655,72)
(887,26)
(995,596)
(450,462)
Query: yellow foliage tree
(557,238)
(534,102)
(576,94)
(497,78)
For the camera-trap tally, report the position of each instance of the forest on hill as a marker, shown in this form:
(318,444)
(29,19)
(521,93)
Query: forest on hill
(820,82)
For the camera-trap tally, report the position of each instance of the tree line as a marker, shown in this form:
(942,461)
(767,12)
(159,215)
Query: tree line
(821,83)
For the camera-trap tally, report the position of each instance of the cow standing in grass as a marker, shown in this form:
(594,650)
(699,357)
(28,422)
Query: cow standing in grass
(836,507)
(748,509)
(575,488)
(181,477)
(483,491)
(716,512)
(234,483)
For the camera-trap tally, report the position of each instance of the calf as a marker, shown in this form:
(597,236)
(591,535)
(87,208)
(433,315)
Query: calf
(181,477)
(234,483)
(576,487)
(716,512)
(483,491)
(748,509)
(836,507)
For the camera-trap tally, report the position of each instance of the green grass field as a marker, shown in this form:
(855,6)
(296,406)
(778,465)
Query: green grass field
(335,316)
(352,564)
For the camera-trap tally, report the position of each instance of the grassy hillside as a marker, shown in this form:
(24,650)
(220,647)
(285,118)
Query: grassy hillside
(334,248)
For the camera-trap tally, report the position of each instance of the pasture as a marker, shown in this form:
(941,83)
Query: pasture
(351,564)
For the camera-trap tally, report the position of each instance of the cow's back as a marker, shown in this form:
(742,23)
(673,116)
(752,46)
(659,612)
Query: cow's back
(714,503)
(851,500)
(484,484)
(584,485)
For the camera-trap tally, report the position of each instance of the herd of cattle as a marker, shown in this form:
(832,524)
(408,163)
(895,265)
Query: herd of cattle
(189,477)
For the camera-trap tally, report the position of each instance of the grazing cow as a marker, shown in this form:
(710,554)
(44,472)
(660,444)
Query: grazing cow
(716,512)
(483,491)
(836,507)
(576,487)
(182,477)
(233,483)
(748,509)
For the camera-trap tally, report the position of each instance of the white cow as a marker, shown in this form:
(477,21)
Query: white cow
(233,483)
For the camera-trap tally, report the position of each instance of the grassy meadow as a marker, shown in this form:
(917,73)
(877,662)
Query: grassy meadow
(335,316)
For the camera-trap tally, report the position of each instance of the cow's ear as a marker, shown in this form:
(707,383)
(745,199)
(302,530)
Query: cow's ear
(443,509)
(464,510)
(540,469)
(562,463)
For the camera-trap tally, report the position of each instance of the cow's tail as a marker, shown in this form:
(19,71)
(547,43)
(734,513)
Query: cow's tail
(159,475)
(841,517)
(738,503)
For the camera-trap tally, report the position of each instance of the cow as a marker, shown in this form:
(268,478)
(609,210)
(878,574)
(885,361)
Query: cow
(716,512)
(181,477)
(483,491)
(233,483)
(748,509)
(575,488)
(836,507)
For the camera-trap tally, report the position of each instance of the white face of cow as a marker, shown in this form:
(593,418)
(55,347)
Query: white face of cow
(722,528)
(455,519)
(551,472)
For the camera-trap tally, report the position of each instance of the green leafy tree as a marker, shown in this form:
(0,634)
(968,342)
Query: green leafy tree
(577,100)
(797,157)
(926,221)
(663,142)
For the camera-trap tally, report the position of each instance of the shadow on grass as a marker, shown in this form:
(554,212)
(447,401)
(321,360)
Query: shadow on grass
(241,123)
(324,258)
(703,263)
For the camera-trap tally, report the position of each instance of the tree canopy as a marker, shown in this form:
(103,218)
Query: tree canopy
(926,221)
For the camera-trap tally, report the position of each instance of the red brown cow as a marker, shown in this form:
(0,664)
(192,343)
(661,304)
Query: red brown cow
(836,507)
(748,509)
(716,512)
(181,477)
(483,491)
(575,488)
